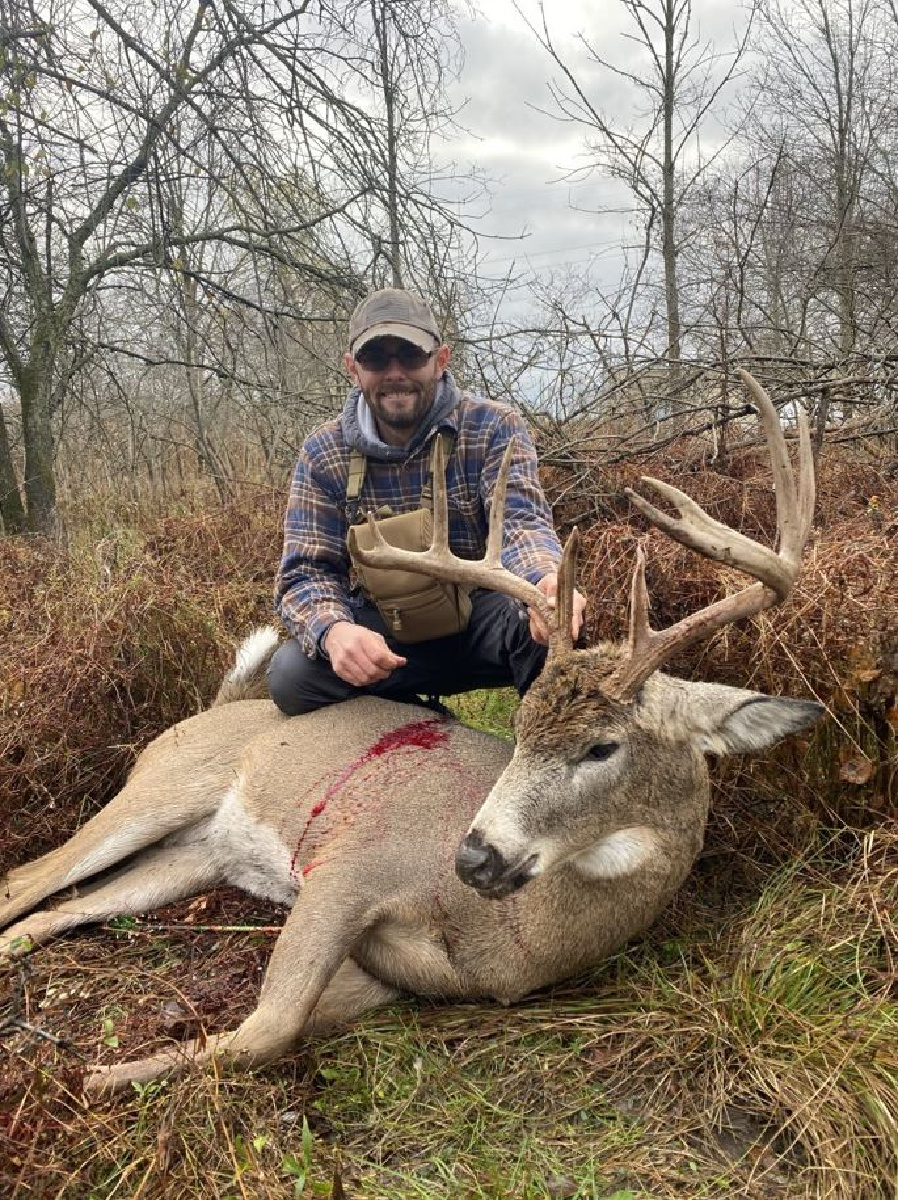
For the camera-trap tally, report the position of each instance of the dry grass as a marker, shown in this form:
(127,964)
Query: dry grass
(745,1048)
(754,1056)
(108,642)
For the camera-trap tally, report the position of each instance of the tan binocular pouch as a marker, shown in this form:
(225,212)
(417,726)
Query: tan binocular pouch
(415,607)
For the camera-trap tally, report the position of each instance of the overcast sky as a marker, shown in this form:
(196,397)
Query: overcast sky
(530,156)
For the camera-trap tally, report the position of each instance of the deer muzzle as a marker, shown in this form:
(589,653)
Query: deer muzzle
(482,867)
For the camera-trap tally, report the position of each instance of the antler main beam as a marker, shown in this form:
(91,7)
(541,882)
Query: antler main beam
(438,561)
(775,571)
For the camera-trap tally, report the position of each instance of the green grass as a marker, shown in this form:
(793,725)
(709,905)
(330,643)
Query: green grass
(493,710)
(750,1056)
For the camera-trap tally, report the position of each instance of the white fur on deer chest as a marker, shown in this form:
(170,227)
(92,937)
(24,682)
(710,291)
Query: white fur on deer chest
(250,853)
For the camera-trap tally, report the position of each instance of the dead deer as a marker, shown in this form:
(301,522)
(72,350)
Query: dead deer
(420,855)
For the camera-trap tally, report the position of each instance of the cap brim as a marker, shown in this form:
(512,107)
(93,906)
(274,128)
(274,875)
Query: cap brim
(408,333)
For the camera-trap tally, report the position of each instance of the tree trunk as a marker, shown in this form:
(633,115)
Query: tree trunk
(668,206)
(820,424)
(380,19)
(40,485)
(12,511)
(845,269)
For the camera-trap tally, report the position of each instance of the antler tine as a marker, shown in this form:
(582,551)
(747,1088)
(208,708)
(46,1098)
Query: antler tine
(640,628)
(807,487)
(794,511)
(438,561)
(497,510)
(775,571)
(440,540)
(700,532)
(783,480)
(563,626)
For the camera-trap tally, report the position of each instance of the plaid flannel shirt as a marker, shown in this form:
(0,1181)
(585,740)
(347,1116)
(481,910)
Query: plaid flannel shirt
(314,588)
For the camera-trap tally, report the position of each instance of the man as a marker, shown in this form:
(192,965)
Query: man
(403,397)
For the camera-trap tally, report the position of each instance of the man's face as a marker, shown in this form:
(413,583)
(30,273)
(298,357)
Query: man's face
(399,382)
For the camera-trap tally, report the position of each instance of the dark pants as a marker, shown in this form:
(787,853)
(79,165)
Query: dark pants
(496,650)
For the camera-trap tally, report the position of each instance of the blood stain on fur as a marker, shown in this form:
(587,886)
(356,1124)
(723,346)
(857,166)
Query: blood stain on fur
(417,735)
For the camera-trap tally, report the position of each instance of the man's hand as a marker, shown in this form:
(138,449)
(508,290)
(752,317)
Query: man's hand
(359,655)
(548,585)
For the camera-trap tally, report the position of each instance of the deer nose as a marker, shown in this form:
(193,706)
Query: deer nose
(478,864)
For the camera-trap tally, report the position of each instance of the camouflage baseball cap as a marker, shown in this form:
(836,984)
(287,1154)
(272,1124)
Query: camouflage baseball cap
(393,312)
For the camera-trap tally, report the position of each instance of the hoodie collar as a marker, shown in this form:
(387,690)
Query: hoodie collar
(360,431)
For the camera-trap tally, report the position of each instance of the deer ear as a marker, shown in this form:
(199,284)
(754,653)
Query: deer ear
(728,720)
(740,721)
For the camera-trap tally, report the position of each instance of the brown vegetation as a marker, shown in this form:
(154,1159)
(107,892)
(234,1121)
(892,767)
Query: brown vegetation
(112,640)
(748,1043)
(836,640)
(128,630)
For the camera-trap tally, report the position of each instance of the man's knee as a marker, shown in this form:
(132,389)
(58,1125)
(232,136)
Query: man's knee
(298,684)
(499,637)
(285,673)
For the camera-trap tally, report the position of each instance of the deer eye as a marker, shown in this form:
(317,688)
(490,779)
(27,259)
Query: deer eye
(602,750)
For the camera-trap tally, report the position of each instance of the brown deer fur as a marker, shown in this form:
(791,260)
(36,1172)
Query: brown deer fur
(352,814)
(366,817)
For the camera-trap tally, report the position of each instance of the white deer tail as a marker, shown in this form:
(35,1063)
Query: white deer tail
(246,679)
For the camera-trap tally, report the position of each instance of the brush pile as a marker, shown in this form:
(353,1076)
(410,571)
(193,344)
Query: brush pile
(744,1047)
(129,630)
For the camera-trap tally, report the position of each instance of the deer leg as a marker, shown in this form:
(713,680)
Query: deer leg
(314,944)
(159,876)
(351,992)
(136,818)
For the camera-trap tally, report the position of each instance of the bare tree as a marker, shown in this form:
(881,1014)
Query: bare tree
(105,104)
(410,50)
(826,99)
(659,158)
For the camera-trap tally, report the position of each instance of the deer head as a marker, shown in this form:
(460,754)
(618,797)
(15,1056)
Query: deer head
(609,768)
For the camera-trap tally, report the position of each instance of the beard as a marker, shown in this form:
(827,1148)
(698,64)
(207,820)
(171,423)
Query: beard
(401,406)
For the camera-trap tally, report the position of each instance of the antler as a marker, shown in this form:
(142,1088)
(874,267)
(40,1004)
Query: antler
(775,571)
(438,561)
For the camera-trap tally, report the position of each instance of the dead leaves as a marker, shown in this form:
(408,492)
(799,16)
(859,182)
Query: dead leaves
(856,768)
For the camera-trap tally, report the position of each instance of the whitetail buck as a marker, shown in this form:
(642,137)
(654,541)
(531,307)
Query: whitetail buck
(420,855)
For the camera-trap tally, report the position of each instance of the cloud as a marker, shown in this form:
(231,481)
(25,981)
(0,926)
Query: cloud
(542,184)
(528,155)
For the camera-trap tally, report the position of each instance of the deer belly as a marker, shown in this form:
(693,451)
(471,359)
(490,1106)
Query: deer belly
(250,855)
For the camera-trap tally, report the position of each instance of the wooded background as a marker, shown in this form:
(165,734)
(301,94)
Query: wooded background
(192,200)
(194,197)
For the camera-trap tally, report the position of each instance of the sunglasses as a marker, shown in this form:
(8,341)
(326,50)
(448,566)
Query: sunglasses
(377,356)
